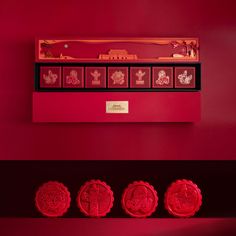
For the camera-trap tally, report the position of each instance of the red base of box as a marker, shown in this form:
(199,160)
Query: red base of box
(91,106)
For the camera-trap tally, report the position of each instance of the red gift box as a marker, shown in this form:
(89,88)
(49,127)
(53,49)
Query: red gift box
(140,77)
(50,77)
(108,64)
(162,77)
(95,77)
(118,77)
(73,77)
(185,77)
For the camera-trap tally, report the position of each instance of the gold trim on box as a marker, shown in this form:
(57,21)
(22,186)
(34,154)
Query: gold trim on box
(117,107)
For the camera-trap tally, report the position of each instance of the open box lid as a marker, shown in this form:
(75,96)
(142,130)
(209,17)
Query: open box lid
(118,50)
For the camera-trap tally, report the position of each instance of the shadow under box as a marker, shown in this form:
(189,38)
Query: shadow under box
(185,77)
(50,77)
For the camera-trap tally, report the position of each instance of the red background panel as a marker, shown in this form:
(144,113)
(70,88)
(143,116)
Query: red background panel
(215,25)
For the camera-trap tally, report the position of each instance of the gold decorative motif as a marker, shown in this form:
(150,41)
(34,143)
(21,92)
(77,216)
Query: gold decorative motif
(118,54)
(163,78)
(96,75)
(118,77)
(140,75)
(184,78)
(72,78)
(50,78)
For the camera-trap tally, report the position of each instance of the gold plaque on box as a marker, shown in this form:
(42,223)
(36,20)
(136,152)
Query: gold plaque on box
(117,107)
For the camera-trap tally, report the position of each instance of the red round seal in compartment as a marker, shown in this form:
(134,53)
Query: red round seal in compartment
(139,199)
(183,198)
(52,199)
(95,198)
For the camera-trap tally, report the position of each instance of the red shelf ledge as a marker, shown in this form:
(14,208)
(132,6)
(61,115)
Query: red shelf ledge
(108,227)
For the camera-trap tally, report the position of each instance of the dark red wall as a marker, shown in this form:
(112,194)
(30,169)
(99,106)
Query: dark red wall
(213,22)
